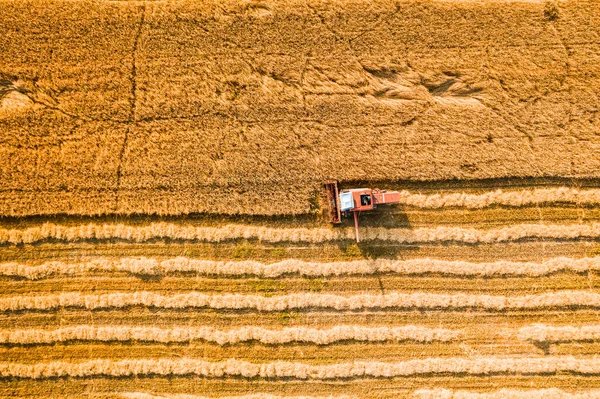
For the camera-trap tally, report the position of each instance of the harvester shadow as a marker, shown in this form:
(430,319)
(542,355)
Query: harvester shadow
(148,278)
(544,346)
(392,216)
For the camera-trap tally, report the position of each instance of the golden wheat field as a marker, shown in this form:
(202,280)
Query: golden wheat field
(163,234)
(486,294)
(244,106)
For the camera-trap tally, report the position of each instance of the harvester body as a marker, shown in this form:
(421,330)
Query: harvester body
(366,199)
(355,200)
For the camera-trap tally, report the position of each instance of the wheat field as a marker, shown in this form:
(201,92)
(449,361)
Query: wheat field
(163,234)
(485,297)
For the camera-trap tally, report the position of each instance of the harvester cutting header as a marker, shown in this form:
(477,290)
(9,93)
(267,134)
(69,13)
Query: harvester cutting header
(355,200)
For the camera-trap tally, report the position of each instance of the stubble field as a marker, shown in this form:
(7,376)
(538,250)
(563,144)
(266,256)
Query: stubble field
(485,295)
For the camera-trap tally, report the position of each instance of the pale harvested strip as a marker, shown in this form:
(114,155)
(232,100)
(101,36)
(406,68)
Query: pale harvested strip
(300,301)
(143,395)
(551,393)
(148,266)
(545,333)
(233,367)
(314,235)
(499,197)
(210,334)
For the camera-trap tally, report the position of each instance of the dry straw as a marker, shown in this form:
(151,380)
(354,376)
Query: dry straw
(544,333)
(551,393)
(280,369)
(231,232)
(222,337)
(499,197)
(142,395)
(300,301)
(174,231)
(292,266)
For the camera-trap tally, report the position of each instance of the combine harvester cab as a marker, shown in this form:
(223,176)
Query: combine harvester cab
(356,200)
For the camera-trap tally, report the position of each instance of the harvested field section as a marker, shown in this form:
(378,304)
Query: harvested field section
(208,302)
(120,302)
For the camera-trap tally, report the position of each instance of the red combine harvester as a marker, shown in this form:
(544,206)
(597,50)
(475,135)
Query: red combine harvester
(355,200)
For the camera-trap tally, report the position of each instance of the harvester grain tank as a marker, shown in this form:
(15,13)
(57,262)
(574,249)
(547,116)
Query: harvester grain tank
(355,200)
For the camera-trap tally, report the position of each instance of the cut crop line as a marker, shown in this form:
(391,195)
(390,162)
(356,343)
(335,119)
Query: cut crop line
(499,197)
(314,235)
(559,299)
(551,393)
(224,337)
(142,395)
(303,371)
(150,266)
(544,333)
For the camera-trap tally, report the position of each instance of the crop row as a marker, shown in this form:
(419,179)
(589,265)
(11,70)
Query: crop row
(320,336)
(560,299)
(315,235)
(149,266)
(499,197)
(544,333)
(242,334)
(280,369)
(550,393)
(440,393)
(143,395)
